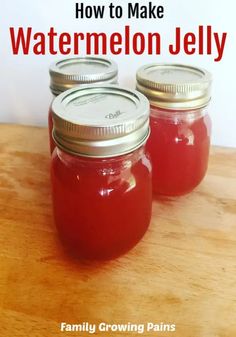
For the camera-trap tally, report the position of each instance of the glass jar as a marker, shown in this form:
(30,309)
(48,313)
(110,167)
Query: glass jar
(180,125)
(68,73)
(101,175)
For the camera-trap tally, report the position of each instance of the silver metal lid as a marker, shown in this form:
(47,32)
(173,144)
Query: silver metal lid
(100,121)
(70,72)
(174,86)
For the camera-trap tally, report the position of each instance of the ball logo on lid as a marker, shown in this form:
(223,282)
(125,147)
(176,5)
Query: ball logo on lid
(114,114)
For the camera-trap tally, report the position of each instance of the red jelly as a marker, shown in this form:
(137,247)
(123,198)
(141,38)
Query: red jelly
(180,126)
(71,72)
(101,176)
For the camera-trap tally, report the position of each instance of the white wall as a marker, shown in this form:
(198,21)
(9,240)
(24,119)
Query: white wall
(24,80)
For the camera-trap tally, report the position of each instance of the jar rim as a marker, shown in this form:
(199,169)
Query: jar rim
(100,121)
(174,86)
(69,72)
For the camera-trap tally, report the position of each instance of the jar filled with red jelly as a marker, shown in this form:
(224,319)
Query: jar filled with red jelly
(180,125)
(68,73)
(101,175)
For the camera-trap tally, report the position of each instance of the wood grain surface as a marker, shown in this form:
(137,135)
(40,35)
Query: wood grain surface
(182,272)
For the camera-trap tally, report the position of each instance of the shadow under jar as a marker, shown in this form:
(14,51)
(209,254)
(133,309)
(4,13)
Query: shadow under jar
(180,125)
(101,176)
(71,72)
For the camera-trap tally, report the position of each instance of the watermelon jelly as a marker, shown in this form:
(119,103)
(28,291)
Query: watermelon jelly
(101,175)
(180,125)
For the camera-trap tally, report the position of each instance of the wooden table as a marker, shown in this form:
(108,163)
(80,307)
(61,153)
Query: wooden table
(183,272)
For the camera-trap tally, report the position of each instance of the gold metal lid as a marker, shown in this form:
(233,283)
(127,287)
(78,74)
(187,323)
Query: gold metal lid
(174,86)
(100,121)
(71,72)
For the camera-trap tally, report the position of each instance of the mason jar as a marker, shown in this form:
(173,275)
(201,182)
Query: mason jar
(101,175)
(180,125)
(70,72)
